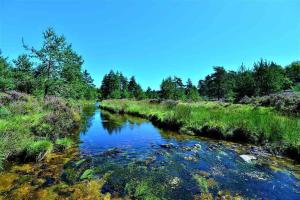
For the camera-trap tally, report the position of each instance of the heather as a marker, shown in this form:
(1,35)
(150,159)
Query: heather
(30,127)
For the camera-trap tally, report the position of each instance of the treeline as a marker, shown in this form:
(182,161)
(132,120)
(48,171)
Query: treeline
(263,79)
(54,69)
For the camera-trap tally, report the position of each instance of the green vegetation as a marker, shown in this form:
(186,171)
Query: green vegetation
(39,149)
(39,96)
(202,183)
(53,69)
(32,127)
(63,143)
(264,78)
(245,123)
(117,86)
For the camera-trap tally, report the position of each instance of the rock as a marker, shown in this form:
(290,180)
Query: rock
(202,173)
(174,182)
(167,146)
(248,158)
(190,158)
(112,152)
(193,148)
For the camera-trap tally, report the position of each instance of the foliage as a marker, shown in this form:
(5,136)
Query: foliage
(63,143)
(53,69)
(116,86)
(39,149)
(6,78)
(28,124)
(293,71)
(269,77)
(172,88)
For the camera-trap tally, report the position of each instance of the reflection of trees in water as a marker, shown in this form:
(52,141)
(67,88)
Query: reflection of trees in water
(114,123)
(88,113)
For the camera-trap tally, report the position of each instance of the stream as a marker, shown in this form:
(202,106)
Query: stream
(132,159)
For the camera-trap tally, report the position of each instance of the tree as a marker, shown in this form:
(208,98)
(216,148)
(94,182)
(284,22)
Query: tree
(111,86)
(293,72)
(124,86)
(269,77)
(51,58)
(6,76)
(151,94)
(172,88)
(134,89)
(23,74)
(191,91)
(245,83)
(215,85)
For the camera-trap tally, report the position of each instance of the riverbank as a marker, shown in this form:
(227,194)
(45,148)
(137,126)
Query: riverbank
(279,134)
(33,127)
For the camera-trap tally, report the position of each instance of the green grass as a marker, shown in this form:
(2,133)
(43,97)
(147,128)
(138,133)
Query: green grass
(257,124)
(63,143)
(26,127)
(39,149)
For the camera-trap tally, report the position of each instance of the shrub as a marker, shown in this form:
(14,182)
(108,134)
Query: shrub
(39,149)
(63,143)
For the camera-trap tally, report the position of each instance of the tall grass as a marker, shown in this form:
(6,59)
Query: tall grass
(230,121)
(30,126)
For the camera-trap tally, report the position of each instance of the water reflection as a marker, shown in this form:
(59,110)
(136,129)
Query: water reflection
(115,123)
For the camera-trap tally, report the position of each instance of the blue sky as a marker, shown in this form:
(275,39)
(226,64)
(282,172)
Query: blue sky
(152,39)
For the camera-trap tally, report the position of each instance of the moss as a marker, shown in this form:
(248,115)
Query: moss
(7,181)
(39,149)
(87,174)
(202,183)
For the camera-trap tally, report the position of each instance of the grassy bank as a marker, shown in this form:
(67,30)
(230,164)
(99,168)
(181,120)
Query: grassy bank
(241,123)
(32,127)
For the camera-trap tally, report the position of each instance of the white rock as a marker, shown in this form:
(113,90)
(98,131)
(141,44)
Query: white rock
(248,158)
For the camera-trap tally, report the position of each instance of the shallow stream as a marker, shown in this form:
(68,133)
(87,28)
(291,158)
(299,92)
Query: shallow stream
(128,157)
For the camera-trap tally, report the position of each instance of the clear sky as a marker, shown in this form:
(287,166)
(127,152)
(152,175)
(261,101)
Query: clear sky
(152,39)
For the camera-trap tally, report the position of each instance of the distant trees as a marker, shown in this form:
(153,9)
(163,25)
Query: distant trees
(56,70)
(115,86)
(269,77)
(218,85)
(263,79)
(172,88)
(293,72)
(134,89)
(23,74)
(6,75)
(245,83)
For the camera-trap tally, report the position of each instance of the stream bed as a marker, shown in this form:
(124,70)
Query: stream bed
(125,157)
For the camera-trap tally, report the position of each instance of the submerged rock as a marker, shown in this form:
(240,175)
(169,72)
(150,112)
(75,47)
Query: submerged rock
(190,158)
(167,146)
(193,148)
(174,182)
(112,152)
(248,158)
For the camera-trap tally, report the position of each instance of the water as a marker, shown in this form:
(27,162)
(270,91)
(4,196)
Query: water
(137,160)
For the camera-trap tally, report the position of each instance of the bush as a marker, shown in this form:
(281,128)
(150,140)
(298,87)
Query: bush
(39,149)
(63,143)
